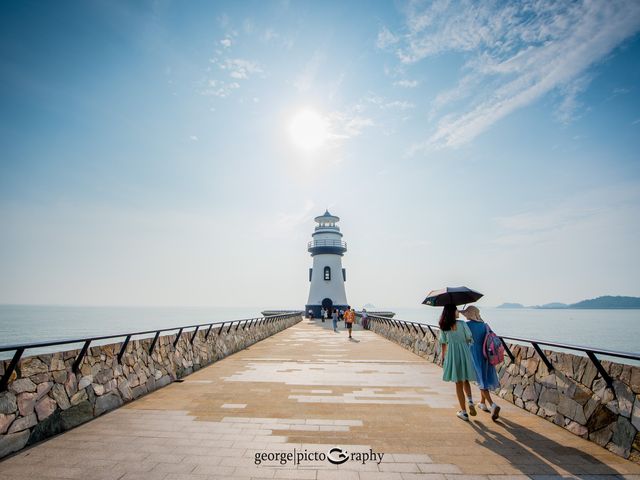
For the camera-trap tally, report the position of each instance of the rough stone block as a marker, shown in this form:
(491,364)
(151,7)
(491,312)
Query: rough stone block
(26,403)
(71,385)
(22,385)
(577,429)
(45,407)
(623,435)
(79,397)
(98,389)
(625,398)
(106,403)
(60,377)
(13,442)
(85,382)
(571,409)
(76,415)
(5,421)
(8,403)
(59,394)
(602,436)
(635,414)
(589,374)
(601,418)
(23,423)
(32,366)
(43,389)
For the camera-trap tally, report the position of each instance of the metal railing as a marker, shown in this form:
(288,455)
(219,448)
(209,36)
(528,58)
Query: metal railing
(326,243)
(589,351)
(246,323)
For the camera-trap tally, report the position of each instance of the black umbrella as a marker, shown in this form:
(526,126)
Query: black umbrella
(451,295)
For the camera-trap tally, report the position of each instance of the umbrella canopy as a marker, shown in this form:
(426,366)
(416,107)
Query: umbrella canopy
(451,295)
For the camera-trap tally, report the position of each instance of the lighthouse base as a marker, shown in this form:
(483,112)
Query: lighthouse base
(316,309)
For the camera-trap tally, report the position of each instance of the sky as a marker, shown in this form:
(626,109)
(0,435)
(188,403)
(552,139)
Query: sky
(150,154)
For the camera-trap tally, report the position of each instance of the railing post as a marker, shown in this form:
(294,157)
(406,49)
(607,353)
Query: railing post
(76,364)
(430,329)
(508,350)
(542,356)
(206,335)
(600,368)
(153,343)
(123,348)
(4,382)
(175,342)
(193,337)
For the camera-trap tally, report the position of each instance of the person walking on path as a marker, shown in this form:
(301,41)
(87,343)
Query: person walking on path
(349,317)
(365,319)
(486,375)
(455,338)
(334,319)
(325,314)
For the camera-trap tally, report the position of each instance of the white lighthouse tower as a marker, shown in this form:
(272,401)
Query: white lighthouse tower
(327,276)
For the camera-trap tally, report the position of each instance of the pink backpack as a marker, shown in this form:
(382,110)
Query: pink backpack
(492,348)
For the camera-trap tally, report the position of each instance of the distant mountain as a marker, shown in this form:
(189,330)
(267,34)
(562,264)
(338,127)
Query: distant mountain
(511,305)
(609,301)
(605,302)
(553,305)
(369,306)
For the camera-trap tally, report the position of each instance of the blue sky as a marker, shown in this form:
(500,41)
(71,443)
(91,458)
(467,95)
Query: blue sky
(148,160)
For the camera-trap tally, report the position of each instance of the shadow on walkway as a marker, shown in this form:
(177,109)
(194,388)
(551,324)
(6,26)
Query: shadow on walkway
(534,454)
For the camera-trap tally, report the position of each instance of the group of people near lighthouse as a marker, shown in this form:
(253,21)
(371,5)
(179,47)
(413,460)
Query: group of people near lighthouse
(337,315)
(468,357)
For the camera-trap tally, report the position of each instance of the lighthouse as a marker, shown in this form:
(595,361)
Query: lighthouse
(327,276)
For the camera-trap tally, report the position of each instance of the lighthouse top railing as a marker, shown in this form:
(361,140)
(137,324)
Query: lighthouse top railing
(327,243)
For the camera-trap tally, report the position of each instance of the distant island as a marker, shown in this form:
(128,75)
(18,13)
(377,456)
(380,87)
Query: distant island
(604,302)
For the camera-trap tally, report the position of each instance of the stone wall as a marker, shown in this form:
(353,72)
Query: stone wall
(573,395)
(45,396)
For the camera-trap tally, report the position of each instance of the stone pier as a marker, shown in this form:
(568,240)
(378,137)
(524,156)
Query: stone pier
(346,409)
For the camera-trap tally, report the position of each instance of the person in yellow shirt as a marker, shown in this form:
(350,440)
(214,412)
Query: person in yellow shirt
(349,318)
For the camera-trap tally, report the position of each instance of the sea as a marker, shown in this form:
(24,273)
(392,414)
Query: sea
(617,330)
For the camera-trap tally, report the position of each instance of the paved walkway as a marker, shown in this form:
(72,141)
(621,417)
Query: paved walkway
(309,389)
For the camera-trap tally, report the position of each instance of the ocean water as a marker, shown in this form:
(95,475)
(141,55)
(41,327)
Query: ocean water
(27,323)
(617,330)
(607,329)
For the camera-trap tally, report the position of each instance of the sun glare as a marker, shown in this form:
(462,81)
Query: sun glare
(308,130)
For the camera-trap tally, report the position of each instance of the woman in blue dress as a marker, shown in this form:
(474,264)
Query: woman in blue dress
(486,375)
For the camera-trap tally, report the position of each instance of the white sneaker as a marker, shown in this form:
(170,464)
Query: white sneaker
(462,415)
(472,409)
(483,407)
(495,412)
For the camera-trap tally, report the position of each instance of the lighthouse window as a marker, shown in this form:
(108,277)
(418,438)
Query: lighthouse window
(327,273)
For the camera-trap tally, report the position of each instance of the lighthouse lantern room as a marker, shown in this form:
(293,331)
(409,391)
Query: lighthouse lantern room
(327,276)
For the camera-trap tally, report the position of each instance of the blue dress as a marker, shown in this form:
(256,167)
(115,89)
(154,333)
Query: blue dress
(486,375)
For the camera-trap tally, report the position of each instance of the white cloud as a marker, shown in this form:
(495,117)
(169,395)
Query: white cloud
(240,69)
(516,53)
(193,138)
(226,42)
(406,83)
(219,88)
(386,38)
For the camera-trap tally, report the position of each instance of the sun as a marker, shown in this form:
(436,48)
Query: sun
(308,130)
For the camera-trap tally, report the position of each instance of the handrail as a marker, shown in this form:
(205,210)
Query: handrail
(589,351)
(20,348)
(325,242)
